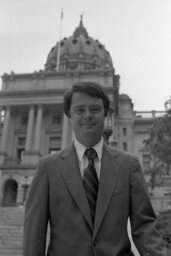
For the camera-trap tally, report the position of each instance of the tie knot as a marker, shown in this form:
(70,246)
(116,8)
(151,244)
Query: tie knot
(90,153)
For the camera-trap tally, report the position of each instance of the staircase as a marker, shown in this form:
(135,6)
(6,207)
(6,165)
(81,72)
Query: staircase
(11,231)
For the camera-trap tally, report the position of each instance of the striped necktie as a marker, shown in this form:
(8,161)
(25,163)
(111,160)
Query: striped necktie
(90,181)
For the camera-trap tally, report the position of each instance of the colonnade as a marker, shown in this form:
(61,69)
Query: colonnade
(35,121)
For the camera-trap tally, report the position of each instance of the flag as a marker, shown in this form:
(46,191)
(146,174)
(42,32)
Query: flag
(62,14)
(58,45)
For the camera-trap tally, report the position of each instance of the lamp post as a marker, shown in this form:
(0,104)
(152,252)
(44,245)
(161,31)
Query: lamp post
(25,185)
(167,104)
(108,126)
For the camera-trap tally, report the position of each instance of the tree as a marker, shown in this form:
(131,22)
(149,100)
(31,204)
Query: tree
(159,146)
(164,225)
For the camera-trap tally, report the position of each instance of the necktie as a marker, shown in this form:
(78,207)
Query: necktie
(90,181)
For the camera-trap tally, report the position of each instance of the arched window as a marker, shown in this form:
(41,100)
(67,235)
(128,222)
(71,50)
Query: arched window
(10,193)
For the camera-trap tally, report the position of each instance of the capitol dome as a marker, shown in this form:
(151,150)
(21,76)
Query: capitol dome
(79,52)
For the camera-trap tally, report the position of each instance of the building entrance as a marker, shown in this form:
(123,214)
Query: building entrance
(10,193)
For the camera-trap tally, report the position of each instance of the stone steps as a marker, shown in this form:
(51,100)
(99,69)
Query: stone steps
(11,216)
(11,231)
(11,240)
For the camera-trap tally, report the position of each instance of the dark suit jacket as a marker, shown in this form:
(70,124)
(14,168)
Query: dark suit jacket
(57,195)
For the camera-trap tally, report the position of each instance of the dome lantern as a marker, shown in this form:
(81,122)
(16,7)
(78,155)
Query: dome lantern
(80,30)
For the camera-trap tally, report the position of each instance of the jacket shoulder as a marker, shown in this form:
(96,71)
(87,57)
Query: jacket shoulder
(121,153)
(55,156)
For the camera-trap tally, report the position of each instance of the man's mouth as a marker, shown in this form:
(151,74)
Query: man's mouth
(88,124)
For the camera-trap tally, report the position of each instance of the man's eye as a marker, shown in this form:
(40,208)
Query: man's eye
(79,110)
(95,109)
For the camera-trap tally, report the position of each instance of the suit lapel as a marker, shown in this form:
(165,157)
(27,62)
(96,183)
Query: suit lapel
(72,177)
(108,179)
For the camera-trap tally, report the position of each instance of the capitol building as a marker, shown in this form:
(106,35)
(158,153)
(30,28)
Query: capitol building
(32,122)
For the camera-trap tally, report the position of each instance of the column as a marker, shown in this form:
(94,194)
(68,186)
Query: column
(30,128)
(38,127)
(0,115)
(1,190)
(28,157)
(5,129)
(4,134)
(31,154)
(67,133)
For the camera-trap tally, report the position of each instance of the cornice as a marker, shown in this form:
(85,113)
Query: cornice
(36,92)
(32,92)
(45,74)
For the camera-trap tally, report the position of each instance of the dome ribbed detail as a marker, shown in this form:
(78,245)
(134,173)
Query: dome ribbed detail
(79,52)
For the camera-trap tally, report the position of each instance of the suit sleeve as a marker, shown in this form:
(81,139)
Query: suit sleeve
(142,217)
(36,215)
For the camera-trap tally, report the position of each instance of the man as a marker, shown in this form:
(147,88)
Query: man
(88,191)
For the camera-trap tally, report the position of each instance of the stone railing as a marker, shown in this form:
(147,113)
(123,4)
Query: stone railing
(12,161)
(148,114)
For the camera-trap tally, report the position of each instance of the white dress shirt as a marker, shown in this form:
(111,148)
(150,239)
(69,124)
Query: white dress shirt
(82,159)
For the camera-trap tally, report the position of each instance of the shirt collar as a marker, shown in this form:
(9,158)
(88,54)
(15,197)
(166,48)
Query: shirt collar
(80,149)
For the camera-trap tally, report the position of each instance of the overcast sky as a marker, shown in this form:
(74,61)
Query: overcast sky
(137,33)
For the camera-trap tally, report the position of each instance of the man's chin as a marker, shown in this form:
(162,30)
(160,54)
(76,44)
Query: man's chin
(90,130)
(89,138)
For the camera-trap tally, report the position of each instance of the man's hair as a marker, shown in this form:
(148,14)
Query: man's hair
(90,88)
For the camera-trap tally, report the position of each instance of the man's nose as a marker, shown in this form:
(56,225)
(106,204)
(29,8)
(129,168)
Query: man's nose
(87,113)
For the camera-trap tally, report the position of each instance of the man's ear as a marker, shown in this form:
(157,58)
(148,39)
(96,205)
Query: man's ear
(69,114)
(105,113)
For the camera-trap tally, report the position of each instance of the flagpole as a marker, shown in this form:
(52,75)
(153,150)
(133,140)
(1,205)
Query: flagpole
(59,43)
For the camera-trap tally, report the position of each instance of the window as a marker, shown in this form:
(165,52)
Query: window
(21,141)
(20,147)
(146,162)
(54,144)
(56,119)
(74,41)
(146,166)
(2,116)
(53,150)
(124,131)
(54,141)
(114,144)
(20,153)
(24,120)
(125,146)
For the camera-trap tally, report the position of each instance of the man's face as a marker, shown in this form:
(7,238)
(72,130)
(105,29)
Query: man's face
(87,118)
